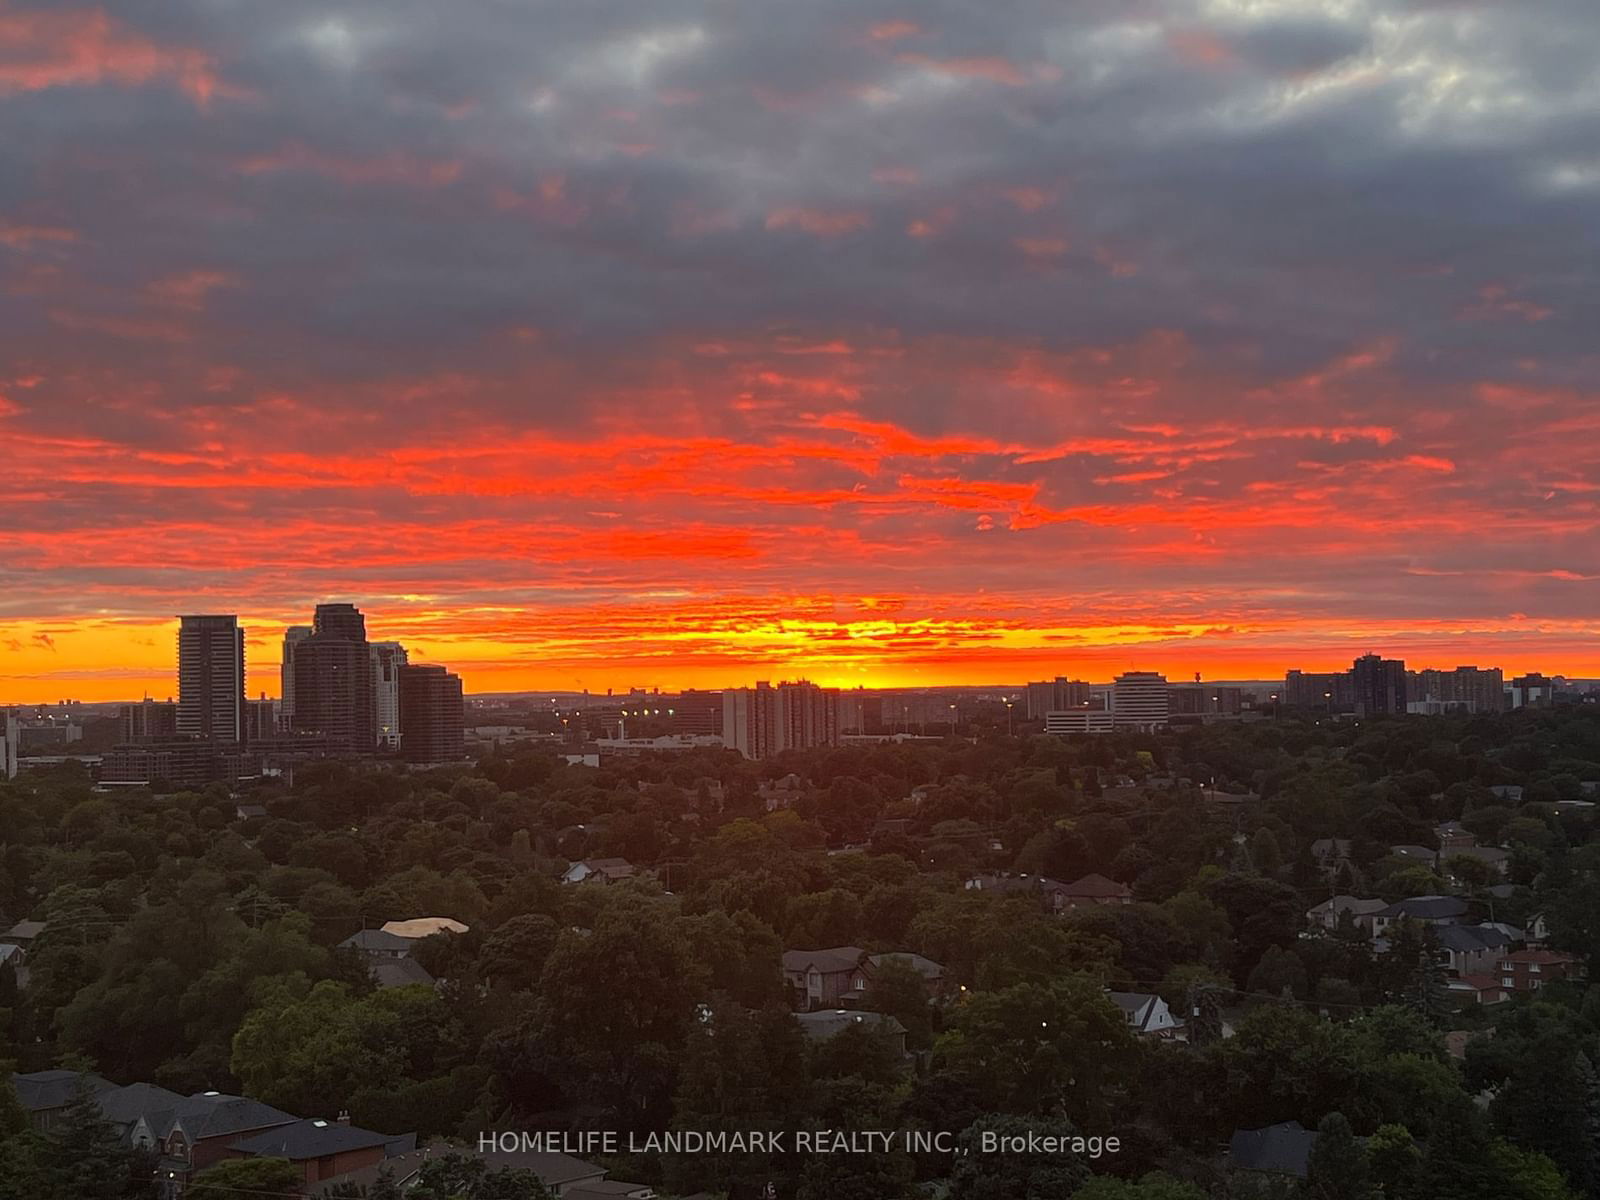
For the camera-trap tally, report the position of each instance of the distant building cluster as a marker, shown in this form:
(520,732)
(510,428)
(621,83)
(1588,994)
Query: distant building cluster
(341,695)
(762,721)
(1377,686)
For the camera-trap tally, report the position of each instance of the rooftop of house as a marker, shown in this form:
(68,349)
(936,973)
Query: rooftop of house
(215,1114)
(400,972)
(40,1091)
(421,927)
(1284,1149)
(1140,1008)
(606,1189)
(1014,883)
(820,1026)
(125,1105)
(24,931)
(1541,957)
(312,1138)
(1098,886)
(1422,852)
(835,958)
(379,941)
(1426,907)
(1358,905)
(1469,938)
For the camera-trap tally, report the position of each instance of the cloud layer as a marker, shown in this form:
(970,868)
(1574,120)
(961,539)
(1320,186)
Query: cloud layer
(692,341)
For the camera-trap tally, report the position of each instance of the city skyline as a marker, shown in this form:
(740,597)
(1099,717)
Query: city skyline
(876,344)
(275,657)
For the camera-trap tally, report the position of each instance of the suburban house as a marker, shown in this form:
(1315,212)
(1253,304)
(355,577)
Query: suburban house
(190,1133)
(1538,930)
(1146,1014)
(13,955)
(1282,1149)
(23,933)
(1423,855)
(388,949)
(1530,970)
(1511,793)
(43,1094)
(400,972)
(1051,891)
(195,1132)
(1477,989)
(603,870)
(829,1023)
(323,1150)
(840,974)
(1473,949)
(1453,836)
(1096,889)
(823,978)
(1328,914)
(379,944)
(1430,910)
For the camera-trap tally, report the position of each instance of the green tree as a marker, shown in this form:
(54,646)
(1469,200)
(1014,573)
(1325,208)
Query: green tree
(459,1177)
(241,1177)
(896,988)
(976,1175)
(1338,1168)
(1154,1186)
(1395,1161)
(1039,1048)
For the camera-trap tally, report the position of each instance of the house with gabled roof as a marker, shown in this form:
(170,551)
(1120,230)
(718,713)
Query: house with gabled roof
(43,1094)
(323,1150)
(602,870)
(823,978)
(195,1133)
(1331,911)
(1428,910)
(1146,1014)
(1095,889)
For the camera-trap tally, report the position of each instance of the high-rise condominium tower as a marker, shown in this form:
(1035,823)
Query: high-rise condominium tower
(211,677)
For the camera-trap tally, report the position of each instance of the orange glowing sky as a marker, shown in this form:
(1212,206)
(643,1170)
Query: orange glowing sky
(609,345)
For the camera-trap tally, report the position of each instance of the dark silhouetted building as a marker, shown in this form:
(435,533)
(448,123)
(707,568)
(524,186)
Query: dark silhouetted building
(1465,689)
(1055,695)
(260,720)
(292,637)
(387,659)
(431,714)
(764,720)
(211,678)
(333,682)
(1379,685)
(1328,691)
(696,712)
(149,719)
(181,762)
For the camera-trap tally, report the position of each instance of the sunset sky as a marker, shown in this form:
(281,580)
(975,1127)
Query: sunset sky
(606,343)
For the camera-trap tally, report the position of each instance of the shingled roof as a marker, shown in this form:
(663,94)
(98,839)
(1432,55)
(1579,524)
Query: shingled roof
(311,1138)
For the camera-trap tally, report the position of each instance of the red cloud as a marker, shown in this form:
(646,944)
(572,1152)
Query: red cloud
(86,48)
